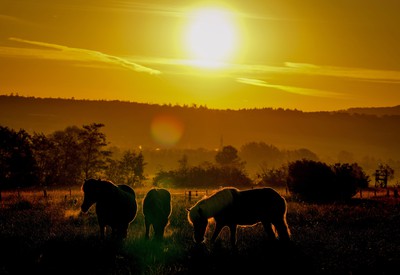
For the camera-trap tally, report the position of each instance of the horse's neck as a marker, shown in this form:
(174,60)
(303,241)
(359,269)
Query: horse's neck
(216,203)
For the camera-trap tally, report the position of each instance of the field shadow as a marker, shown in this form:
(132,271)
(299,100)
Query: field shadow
(85,256)
(269,257)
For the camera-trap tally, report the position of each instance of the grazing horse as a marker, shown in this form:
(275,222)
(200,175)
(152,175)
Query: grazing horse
(232,207)
(156,211)
(115,205)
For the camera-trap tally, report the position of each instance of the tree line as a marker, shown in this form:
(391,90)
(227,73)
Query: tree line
(64,157)
(67,157)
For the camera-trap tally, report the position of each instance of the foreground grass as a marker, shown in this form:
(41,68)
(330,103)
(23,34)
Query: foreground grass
(49,236)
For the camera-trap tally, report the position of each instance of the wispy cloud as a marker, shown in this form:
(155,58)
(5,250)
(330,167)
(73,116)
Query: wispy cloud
(250,74)
(251,81)
(122,6)
(69,53)
(8,18)
(289,89)
(345,72)
(255,75)
(291,68)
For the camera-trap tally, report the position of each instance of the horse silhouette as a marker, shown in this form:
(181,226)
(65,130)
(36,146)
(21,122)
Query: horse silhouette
(115,205)
(232,207)
(156,211)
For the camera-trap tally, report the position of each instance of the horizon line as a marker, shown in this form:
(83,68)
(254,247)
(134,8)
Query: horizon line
(193,105)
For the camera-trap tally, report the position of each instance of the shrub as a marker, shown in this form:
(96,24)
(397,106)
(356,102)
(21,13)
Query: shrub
(316,181)
(204,177)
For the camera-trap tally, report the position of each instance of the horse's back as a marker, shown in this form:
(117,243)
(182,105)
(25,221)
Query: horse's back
(261,202)
(254,205)
(157,201)
(260,194)
(261,197)
(127,189)
(126,201)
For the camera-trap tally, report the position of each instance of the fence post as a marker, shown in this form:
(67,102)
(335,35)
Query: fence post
(189,195)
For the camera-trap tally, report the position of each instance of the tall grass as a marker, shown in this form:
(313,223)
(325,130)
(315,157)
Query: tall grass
(49,235)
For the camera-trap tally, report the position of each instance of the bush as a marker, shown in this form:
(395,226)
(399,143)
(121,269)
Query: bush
(316,181)
(203,177)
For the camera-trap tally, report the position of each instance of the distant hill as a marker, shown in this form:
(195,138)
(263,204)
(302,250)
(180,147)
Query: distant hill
(378,111)
(372,132)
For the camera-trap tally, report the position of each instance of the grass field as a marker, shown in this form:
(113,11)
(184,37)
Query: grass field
(48,235)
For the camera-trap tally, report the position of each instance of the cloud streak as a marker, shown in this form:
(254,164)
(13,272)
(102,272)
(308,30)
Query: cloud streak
(344,72)
(248,74)
(291,68)
(289,89)
(69,53)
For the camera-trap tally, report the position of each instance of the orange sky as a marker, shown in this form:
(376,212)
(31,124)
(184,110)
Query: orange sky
(310,55)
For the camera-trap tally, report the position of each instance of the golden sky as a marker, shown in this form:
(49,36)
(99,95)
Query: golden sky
(310,55)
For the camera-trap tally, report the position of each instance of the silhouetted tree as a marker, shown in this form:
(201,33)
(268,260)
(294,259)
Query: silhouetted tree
(46,160)
(383,174)
(310,180)
(227,156)
(349,178)
(67,155)
(273,177)
(259,152)
(114,172)
(206,175)
(17,164)
(92,141)
(302,153)
(183,164)
(316,181)
(128,170)
(138,168)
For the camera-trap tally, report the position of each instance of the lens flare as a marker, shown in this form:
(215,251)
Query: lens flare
(166,130)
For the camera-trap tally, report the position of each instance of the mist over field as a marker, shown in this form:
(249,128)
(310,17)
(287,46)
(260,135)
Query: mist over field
(365,135)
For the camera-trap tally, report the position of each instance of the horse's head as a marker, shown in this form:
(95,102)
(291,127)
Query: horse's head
(90,194)
(199,222)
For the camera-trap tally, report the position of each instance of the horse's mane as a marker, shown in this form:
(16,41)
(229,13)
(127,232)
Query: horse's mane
(213,204)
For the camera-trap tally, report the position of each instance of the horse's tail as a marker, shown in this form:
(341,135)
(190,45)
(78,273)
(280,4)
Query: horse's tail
(281,225)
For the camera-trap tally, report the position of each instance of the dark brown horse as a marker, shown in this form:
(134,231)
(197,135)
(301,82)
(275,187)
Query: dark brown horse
(156,211)
(232,207)
(115,205)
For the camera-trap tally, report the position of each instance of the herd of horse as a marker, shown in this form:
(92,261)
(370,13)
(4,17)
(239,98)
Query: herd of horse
(116,207)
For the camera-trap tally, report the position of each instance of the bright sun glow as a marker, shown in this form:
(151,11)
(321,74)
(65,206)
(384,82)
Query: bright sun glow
(211,37)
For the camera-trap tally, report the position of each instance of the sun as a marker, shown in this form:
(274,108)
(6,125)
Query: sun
(211,36)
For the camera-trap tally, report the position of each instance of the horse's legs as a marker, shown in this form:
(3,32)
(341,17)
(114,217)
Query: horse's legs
(283,230)
(218,228)
(232,228)
(268,229)
(159,229)
(147,224)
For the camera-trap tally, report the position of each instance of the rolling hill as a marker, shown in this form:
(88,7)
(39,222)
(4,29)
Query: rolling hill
(364,132)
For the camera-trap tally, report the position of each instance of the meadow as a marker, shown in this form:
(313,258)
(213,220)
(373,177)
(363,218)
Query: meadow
(48,235)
